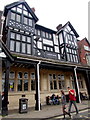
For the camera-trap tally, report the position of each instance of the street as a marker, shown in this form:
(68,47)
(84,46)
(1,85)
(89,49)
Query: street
(83,115)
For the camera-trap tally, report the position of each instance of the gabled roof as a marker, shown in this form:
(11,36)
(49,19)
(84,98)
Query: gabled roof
(8,7)
(72,28)
(44,29)
(87,41)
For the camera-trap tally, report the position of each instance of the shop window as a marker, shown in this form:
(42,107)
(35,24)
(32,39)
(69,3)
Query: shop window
(61,81)
(33,84)
(53,82)
(11,85)
(11,81)
(72,81)
(25,85)
(80,82)
(19,85)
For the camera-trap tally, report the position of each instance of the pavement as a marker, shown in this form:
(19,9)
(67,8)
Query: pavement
(47,111)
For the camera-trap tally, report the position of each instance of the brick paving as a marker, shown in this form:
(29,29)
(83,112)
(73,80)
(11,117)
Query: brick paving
(46,112)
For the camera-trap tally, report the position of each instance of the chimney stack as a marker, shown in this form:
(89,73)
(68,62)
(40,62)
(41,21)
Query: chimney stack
(33,9)
(59,27)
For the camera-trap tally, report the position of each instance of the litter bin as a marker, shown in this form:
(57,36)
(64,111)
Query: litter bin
(23,105)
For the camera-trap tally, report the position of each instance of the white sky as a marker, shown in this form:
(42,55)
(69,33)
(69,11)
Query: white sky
(54,12)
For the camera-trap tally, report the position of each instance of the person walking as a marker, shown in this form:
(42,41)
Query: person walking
(63,100)
(72,100)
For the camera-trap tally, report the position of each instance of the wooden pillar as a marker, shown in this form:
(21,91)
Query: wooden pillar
(5,105)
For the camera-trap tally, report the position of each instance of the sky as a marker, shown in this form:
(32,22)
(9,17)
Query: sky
(51,13)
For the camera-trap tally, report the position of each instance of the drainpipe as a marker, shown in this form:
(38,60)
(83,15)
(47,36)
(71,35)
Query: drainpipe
(38,84)
(78,91)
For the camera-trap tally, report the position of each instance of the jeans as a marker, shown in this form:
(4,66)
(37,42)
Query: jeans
(70,104)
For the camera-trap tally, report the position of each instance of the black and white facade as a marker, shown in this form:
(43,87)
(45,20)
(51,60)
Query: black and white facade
(40,55)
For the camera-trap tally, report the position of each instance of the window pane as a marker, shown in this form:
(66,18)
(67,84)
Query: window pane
(23,38)
(32,84)
(25,85)
(18,18)
(25,12)
(54,76)
(50,76)
(60,38)
(28,48)
(12,35)
(32,75)
(12,45)
(51,84)
(46,35)
(19,75)
(19,85)
(30,22)
(60,86)
(26,75)
(44,47)
(43,34)
(17,36)
(12,75)
(29,39)
(12,16)
(39,44)
(62,77)
(55,84)
(50,36)
(25,20)
(19,10)
(57,49)
(11,85)
(17,46)
(23,48)
(38,32)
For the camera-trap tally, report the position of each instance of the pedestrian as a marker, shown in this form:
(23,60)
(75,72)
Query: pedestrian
(63,100)
(72,100)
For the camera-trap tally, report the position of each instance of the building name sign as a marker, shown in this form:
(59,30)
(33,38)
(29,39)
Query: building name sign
(19,26)
(50,55)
